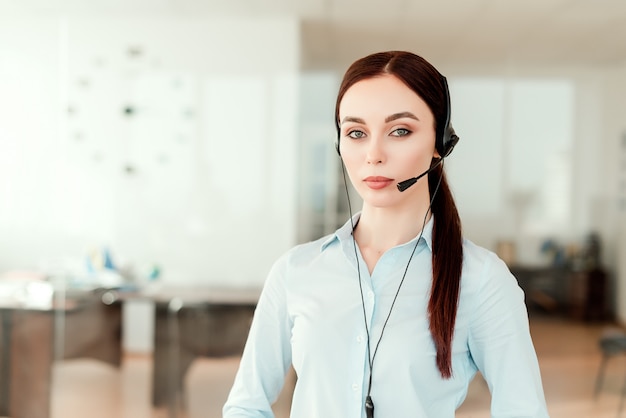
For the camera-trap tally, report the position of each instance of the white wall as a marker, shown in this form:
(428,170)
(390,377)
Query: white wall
(511,171)
(211,192)
(590,194)
(31,150)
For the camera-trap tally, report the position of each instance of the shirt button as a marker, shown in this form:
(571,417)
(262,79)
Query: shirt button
(355,387)
(370,294)
(359,339)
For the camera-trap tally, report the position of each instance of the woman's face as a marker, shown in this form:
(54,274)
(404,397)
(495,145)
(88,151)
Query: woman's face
(387,135)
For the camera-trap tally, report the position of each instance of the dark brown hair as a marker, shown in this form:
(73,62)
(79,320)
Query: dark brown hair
(447,255)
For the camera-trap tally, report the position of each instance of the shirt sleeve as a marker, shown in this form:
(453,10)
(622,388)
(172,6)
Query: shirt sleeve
(267,354)
(501,345)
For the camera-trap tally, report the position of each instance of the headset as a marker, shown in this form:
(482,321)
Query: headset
(446,138)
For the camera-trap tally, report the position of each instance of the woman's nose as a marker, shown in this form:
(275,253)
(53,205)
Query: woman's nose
(375,152)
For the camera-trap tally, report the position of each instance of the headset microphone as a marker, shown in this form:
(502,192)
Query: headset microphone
(403,185)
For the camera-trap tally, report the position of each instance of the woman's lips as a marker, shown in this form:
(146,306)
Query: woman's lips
(377,182)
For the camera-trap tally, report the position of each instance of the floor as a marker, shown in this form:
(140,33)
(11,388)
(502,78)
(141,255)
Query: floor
(568,353)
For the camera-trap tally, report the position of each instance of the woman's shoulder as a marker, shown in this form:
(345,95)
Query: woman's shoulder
(475,252)
(306,252)
(482,263)
(489,289)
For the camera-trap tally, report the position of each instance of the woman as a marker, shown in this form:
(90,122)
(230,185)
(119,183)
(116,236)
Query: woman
(395,312)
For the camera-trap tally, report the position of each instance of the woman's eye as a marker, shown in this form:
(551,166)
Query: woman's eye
(356,134)
(401,132)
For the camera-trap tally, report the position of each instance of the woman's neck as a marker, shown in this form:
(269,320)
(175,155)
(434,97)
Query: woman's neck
(380,229)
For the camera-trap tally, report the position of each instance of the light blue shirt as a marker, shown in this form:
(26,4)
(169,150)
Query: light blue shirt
(310,315)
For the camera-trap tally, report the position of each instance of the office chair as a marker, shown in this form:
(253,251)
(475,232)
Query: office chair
(612,342)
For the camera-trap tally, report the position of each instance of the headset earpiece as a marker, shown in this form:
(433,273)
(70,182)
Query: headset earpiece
(450,139)
(446,137)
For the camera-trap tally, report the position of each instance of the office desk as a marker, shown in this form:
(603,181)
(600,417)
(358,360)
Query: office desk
(90,329)
(579,294)
(196,323)
(546,287)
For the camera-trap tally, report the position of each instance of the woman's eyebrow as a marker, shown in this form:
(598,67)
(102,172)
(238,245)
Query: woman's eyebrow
(400,116)
(352,119)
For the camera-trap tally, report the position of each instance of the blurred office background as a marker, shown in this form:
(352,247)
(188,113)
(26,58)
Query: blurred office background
(157,156)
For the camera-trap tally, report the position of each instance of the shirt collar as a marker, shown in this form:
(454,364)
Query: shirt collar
(345,233)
